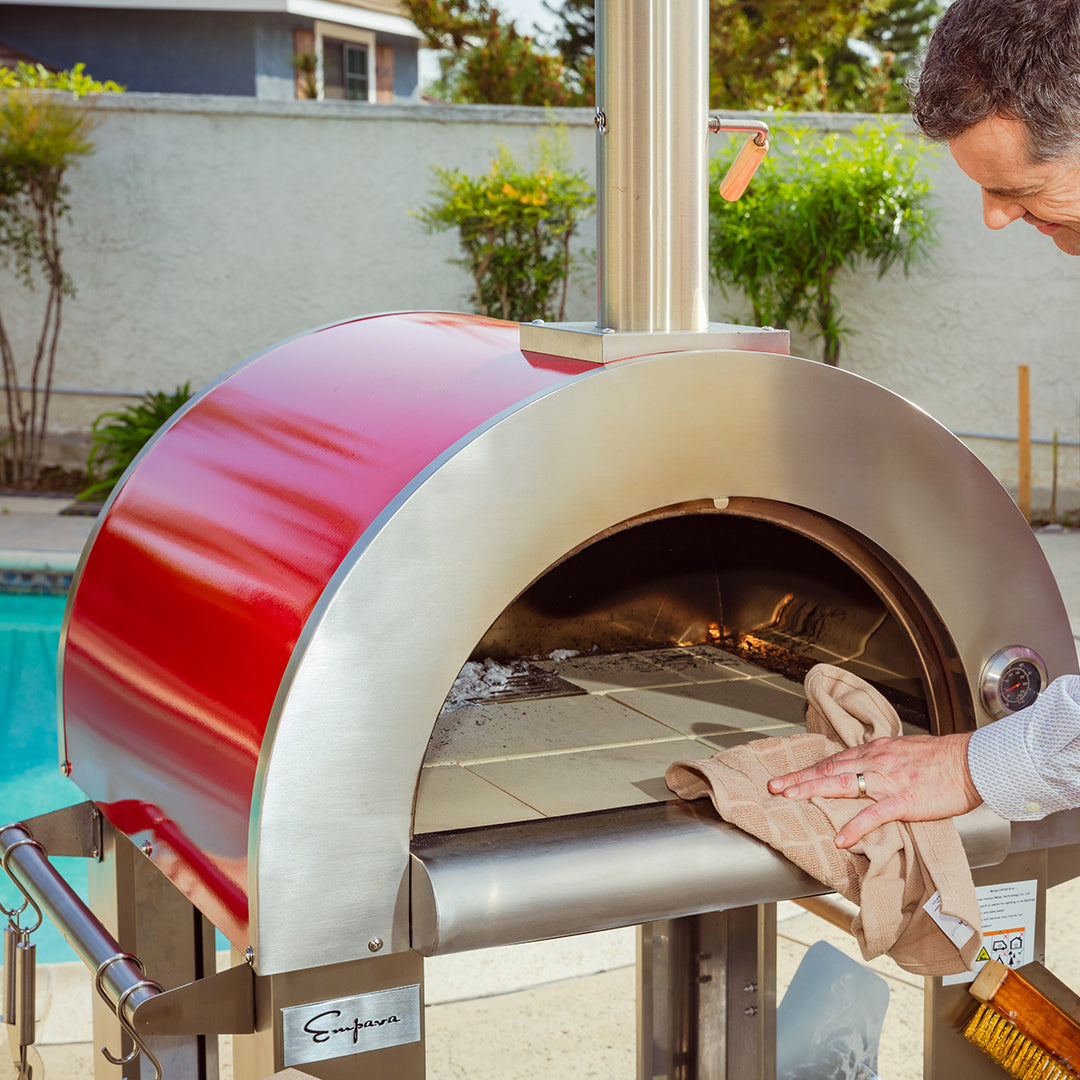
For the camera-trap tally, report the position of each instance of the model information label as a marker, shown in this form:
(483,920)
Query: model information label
(1008,926)
(351,1025)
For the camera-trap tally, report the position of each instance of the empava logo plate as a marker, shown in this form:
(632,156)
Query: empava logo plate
(351,1025)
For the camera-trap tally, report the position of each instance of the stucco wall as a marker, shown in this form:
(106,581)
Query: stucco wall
(205,229)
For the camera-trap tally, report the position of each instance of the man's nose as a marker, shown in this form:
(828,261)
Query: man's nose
(999,212)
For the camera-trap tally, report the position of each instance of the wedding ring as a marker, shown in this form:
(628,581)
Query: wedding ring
(862,784)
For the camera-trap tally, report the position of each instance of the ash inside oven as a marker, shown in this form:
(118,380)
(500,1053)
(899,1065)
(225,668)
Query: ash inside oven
(488,681)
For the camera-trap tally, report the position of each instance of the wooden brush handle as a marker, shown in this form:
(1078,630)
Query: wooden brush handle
(1035,1014)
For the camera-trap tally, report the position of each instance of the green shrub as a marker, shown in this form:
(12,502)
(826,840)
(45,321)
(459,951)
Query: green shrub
(515,224)
(816,206)
(117,437)
(42,135)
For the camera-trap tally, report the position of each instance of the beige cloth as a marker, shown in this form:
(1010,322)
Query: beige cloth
(891,873)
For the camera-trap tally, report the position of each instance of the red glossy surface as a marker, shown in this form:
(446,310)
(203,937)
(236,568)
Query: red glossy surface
(218,547)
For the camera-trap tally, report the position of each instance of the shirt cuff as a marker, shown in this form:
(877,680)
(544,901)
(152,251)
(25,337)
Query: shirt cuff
(1004,773)
(1027,765)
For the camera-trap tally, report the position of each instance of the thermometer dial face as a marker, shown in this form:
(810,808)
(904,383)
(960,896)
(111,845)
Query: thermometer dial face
(1012,679)
(1020,685)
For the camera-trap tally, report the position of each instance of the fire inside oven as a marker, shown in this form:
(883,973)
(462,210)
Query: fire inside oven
(672,636)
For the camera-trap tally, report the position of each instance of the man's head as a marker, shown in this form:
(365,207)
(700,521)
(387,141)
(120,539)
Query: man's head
(1001,84)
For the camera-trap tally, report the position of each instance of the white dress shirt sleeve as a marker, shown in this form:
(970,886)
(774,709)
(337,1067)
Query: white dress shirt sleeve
(1027,765)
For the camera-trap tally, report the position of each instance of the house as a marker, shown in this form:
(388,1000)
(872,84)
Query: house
(10,57)
(363,50)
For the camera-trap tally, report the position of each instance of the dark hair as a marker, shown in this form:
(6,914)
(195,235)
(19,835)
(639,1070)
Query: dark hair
(1018,59)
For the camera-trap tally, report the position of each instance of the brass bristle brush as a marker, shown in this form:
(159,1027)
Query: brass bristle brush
(1021,1024)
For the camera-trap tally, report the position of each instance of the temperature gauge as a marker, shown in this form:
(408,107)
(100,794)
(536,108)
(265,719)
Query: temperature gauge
(1012,679)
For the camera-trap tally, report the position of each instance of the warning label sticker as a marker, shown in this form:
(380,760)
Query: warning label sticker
(1008,926)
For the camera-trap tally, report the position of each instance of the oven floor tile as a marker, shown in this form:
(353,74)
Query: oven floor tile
(600,674)
(713,709)
(602,779)
(702,663)
(450,797)
(544,726)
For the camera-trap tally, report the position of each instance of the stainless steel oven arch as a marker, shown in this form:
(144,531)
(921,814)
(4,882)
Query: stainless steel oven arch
(355,710)
(539,629)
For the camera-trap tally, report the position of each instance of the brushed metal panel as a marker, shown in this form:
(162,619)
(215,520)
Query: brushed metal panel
(571,875)
(355,710)
(652,86)
(589,342)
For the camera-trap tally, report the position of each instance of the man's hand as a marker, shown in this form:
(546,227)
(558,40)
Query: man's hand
(910,778)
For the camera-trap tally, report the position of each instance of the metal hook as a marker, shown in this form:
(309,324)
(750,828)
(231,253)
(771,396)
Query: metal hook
(18,884)
(140,1046)
(99,986)
(13,913)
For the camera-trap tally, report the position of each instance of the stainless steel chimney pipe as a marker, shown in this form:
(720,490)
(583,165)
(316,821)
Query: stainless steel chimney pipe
(652,192)
(652,89)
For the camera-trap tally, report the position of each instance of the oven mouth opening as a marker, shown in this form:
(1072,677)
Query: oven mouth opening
(670,636)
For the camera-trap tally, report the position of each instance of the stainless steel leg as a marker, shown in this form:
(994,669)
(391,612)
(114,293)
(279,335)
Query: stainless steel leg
(152,919)
(707,997)
(946,1053)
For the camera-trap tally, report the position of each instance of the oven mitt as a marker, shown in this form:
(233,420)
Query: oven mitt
(891,873)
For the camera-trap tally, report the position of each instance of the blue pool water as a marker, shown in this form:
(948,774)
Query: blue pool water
(30,778)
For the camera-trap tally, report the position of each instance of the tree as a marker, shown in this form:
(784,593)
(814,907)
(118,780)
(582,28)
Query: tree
(575,44)
(578,35)
(487,60)
(772,54)
(41,137)
(790,53)
(816,206)
(870,75)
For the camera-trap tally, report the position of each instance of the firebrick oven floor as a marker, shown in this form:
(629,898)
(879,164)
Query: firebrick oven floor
(599,735)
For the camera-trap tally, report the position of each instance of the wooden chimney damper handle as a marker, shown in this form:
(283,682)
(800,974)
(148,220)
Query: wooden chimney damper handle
(749,157)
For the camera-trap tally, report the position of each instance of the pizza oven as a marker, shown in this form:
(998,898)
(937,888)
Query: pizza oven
(381,648)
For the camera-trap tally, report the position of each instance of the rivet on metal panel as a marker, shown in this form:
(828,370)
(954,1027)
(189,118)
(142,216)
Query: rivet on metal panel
(147,848)
(375,944)
(96,844)
(249,955)
(600,119)
(65,768)
(538,322)
(750,988)
(721,504)
(750,1011)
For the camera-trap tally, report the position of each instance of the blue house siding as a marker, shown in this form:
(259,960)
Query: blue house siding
(275,79)
(406,66)
(181,52)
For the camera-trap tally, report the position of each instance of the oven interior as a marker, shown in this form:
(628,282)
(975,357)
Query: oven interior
(671,636)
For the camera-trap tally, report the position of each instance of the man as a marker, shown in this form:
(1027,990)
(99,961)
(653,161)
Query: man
(1001,85)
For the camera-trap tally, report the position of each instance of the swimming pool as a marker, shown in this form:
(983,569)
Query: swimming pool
(30,778)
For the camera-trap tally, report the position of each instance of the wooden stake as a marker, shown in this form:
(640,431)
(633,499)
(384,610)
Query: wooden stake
(1024,410)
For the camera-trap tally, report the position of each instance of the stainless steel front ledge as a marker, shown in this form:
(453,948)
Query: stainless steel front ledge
(480,888)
